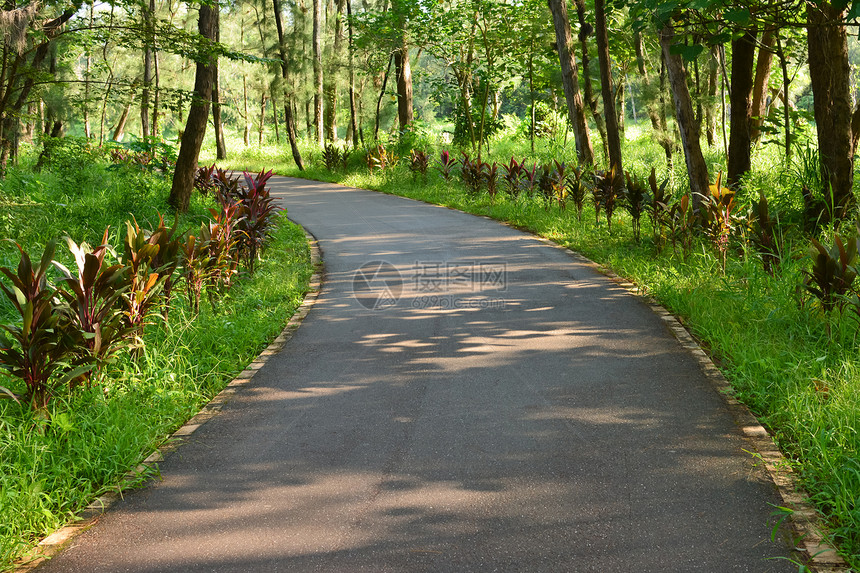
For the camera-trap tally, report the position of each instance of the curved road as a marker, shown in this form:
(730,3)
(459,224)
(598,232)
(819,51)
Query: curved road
(463,397)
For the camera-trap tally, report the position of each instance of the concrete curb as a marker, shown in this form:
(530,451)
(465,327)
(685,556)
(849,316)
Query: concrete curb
(55,542)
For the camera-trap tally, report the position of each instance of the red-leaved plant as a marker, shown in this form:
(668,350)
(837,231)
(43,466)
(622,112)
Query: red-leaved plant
(37,350)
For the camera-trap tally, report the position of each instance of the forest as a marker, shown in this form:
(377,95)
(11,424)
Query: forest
(703,149)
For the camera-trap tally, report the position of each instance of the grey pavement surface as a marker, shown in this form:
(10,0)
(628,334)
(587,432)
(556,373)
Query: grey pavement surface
(499,407)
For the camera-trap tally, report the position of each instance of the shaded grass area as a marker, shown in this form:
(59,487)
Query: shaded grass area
(50,470)
(767,336)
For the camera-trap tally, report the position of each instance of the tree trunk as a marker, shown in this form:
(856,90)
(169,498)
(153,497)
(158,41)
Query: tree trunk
(335,63)
(156,100)
(403,72)
(288,106)
(353,115)
(275,118)
(696,166)
(379,100)
(246,116)
(220,143)
(829,71)
(762,75)
(587,92)
(783,65)
(147,11)
(263,99)
(570,81)
(195,126)
(318,73)
(613,136)
(743,57)
(710,108)
(119,130)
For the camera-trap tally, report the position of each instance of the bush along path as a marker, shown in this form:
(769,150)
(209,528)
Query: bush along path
(773,306)
(113,350)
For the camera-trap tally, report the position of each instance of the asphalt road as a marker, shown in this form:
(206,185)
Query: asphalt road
(463,397)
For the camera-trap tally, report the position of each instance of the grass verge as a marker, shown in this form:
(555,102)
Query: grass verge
(50,471)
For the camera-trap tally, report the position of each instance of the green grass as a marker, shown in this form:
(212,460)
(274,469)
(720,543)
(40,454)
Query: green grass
(49,471)
(768,337)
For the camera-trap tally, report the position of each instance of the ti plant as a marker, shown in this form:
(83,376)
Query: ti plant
(832,272)
(635,201)
(143,293)
(559,184)
(166,259)
(765,235)
(607,184)
(37,349)
(472,174)
(513,173)
(577,189)
(681,219)
(491,175)
(94,298)
(658,207)
(546,184)
(334,157)
(379,158)
(719,216)
(419,162)
(226,187)
(256,218)
(530,178)
(445,165)
(203,179)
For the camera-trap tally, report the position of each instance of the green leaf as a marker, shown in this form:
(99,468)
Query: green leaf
(740,16)
(689,53)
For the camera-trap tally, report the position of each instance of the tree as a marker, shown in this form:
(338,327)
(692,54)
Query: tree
(743,57)
(217,125)
(331,78)
(570,81)
(195,125)
(829,71)
(318,73)
(288,100)
(613,138)
(697,170)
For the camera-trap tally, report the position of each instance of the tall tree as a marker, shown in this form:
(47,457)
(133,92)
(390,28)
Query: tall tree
(318,71)
(353,112)
(195,125)
(289,120)
(743,57)
(760,85)
(613,137)
(697,169)
(217,124)
(570,81)
(335,63)
(148,13)
(829,72)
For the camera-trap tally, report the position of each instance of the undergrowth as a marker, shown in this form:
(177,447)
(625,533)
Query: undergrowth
(51,470)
